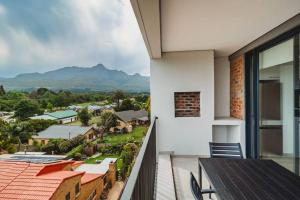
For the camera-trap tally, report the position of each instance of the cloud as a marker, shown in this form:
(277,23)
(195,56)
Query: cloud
(42,36)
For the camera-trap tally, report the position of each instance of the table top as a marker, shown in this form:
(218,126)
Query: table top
(238,179)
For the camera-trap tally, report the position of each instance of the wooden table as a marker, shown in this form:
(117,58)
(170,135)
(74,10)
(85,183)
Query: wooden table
(238,179)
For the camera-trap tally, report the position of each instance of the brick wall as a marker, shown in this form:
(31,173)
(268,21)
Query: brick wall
(237,87)
(187,104)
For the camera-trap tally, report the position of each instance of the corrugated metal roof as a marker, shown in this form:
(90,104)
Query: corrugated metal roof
(130,115)
(101,168)
(62,131)
(63,114)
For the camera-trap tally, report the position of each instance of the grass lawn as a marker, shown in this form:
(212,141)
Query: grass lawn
(93,120)
(137,134)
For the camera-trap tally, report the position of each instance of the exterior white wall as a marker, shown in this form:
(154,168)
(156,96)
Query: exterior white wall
(222,87)
(183,72)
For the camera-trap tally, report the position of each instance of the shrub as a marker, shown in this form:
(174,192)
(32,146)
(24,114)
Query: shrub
(65,146)
(77,156)
(11,149)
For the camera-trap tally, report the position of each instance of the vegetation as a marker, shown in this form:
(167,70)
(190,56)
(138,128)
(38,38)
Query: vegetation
(118,95)
(61,146)
(27,108)
(84,117)
(107,120)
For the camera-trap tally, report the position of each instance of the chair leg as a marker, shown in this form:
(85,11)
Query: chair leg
(210,193)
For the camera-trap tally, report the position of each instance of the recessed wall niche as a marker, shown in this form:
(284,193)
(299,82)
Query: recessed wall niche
(187,104)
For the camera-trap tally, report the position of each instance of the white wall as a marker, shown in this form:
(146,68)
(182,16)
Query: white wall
(180,72)
(222,87)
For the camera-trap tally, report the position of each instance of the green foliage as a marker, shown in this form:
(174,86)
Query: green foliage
(127,104)
(52,146)
(65,146)
(2,90)
(117,96)
(107,120)
(11,149)
(148,105)
(84,117)
(127,156)
(26,108)
(77,156)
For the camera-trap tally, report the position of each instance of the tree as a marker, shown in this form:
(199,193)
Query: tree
(118,95)
(49,106)
(148,105)
(108,120)
(126,105)
(26,108)
(2,91)
(84,117)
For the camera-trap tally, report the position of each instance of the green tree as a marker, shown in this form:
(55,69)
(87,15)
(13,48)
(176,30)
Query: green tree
(148,105)
(26,108)
(108,120)
(2,91)
(49,106)
(84,116)
(127,104)
(117,96)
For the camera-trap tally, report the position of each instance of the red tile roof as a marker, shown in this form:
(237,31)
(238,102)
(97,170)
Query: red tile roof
(28,181)
(86,178)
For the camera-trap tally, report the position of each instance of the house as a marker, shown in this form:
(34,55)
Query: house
(133,117)
(95,109)
(220,71)
(64,132)
(59,180)
(62,117)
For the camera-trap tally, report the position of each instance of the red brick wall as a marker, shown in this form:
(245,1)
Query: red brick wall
(187,104)
(237,87)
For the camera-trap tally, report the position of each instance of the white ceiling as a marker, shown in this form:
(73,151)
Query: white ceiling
(222,25)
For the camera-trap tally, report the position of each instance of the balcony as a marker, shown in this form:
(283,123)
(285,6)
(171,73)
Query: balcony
(160,176)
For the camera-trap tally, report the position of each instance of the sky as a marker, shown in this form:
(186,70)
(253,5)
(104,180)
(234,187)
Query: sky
(43,35)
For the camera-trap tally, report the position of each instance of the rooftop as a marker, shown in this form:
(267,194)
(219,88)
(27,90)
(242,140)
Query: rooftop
(27,181)
(101,168)
(130,115)
(63,114)
(62,131)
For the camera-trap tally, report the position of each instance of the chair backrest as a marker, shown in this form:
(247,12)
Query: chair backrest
(195,188)
(225,150)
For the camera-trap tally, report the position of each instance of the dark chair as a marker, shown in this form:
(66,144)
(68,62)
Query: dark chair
(196,190)
(225,150)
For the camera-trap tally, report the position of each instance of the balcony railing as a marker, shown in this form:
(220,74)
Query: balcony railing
(141,182)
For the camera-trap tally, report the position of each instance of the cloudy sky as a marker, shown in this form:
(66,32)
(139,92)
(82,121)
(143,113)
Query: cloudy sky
(38,36)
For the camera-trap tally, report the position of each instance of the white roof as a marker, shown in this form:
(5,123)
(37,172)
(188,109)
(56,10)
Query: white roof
(45,117)
(101,168)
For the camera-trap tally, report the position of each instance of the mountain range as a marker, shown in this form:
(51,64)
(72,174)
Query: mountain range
(96,78)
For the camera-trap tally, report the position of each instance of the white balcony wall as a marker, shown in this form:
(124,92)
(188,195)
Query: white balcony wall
(183,72)
(222,87)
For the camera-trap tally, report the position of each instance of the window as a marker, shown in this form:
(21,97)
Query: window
(68,196)
(77,189)
(187,104)
(92,195)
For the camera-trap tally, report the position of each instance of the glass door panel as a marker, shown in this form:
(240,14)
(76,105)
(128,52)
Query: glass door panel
(276,104)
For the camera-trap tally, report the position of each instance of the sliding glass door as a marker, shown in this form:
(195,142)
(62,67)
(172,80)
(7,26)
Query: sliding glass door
(273,101)
(276,104)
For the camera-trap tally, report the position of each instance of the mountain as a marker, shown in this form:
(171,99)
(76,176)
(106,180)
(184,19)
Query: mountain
(97,78)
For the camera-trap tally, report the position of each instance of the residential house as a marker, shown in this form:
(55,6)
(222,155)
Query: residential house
(128,119)
(62,117)
(133,117)
(221,71)
(53,181)
(95,109)
(64,132)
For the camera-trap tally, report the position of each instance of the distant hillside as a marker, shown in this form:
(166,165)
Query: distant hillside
(97,78)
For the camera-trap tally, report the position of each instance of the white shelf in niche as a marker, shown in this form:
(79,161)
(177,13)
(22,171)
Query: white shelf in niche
(227,121)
